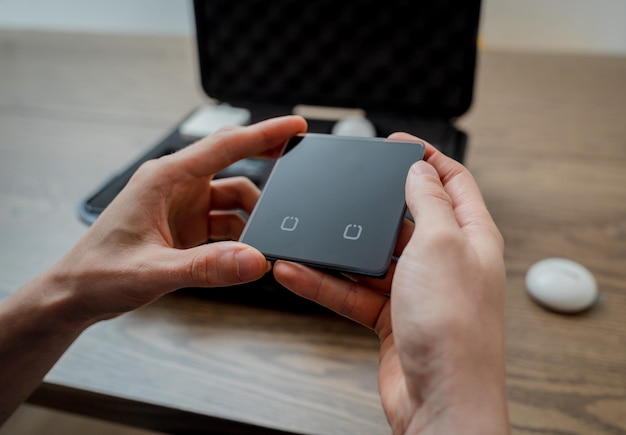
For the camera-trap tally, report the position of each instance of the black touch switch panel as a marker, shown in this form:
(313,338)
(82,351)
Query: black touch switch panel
(334,202)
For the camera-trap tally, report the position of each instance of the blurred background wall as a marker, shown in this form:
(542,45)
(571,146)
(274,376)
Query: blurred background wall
(569,26)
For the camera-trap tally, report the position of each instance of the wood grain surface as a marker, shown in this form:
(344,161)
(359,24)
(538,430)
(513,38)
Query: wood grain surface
(547,147)
(549,152)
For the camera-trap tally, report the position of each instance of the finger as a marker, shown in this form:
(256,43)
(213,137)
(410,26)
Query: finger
(456,179)
(406,231)
(424,187)
(236,193)
(348,298)
(229,145)
(214,265)
(427,199)
(469,206)
(381,285)
(225,225)
(462,193)
(430,149)
(441,193)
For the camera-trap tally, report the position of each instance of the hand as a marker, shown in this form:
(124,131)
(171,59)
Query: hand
(150,239)
(439,312)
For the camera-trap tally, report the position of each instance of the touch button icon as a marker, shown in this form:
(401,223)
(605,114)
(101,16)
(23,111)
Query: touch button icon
(352,232)
(289,223)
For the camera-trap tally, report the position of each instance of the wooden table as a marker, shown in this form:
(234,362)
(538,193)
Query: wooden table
(547,146)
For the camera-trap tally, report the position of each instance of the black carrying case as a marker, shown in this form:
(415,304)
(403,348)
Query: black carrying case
(409,65)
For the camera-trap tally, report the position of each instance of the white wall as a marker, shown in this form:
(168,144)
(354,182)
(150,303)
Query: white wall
(555,25)
(537,25)
(170,17)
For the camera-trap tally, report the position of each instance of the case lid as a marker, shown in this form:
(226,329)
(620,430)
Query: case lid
(404,56)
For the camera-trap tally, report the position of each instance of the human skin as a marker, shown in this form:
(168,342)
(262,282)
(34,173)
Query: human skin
(148,242)
(438,313)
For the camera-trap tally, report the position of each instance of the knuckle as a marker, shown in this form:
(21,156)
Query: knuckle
(240,183)
(349,301)
(203,270)
(245,183)
(428,192)
(155,169)
(243,190)
(246,188)
(148,169)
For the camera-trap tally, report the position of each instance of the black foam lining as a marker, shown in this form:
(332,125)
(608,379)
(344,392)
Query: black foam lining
(395,56)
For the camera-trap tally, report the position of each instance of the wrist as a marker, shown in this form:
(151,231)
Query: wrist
(475,405)
(483,420)
(461,390)
(49,303)
(37,316)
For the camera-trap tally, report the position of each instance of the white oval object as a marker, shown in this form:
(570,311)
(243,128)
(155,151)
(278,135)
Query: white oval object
(562,285)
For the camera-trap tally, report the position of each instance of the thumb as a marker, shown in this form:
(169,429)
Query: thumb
(429,203)
(218,264)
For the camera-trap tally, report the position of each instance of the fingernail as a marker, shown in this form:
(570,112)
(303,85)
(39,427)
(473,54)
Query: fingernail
(424,168)
(248,265)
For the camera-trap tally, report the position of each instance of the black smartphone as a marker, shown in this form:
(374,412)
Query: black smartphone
(334,202)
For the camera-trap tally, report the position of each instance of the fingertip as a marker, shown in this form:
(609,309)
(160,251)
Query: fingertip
(283,271)
(426,196)
(422,167)
(293,276)
(421,174)
(296,122)
(304,125)
(300,125)
(400,135)
(251,264)
(428,152)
